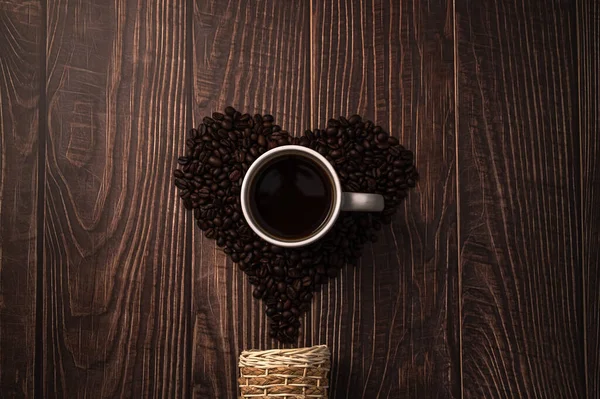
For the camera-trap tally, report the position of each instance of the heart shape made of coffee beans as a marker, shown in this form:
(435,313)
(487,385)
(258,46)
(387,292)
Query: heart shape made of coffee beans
(210,174)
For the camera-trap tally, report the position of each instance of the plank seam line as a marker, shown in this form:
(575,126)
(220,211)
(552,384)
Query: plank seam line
(38,369)
(311,66)
(581,199)
(188,265)
(456,174)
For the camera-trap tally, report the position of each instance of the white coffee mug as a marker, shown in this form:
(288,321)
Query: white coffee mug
(342,201)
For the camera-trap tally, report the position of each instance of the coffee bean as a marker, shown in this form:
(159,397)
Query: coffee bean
(307,296)
(276,317)
(354,119)
(230,111)
(225,183)
(181,183)
(278,271)
(291,332)
(262,141)
(291,293)
(333,123)
(214,161)
(331,131)
(295,273)
(336,154)
(281,287)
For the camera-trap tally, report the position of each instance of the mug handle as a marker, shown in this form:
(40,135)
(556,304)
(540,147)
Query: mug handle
(362,202)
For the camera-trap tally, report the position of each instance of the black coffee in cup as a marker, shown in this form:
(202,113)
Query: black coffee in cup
(291,197)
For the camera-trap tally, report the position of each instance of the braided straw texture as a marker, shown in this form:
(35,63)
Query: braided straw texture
(285,373)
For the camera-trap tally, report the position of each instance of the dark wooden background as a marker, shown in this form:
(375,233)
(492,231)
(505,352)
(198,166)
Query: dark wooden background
(485,285)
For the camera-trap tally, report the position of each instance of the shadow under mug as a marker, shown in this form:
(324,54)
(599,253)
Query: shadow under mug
(342,201)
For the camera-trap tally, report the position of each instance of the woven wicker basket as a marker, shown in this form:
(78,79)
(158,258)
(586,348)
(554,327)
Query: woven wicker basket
(285,373)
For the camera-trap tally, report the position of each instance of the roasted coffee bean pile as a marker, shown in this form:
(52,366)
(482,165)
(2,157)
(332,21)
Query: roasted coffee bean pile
(220,151)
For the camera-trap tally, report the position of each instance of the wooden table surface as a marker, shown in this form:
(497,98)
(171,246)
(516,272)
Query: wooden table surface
(485,285)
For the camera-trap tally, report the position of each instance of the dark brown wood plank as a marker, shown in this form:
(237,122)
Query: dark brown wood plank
(21,39)
(391,321)
(116,284)
(519,200)
(253,55)
(588,55)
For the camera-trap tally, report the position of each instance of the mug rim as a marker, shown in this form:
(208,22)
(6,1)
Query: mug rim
(308,153)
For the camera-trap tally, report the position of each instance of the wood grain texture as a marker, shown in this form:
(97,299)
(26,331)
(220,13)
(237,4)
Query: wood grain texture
(253,55)
(391,321)
(588,55)
(116,281)
(519,190)
(485,285)
(20,82)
